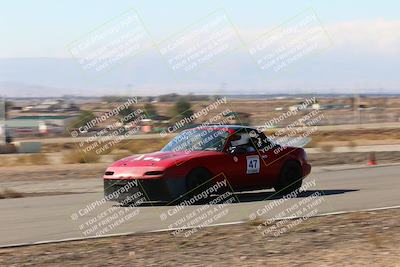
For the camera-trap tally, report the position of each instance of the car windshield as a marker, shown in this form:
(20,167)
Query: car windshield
(198,140)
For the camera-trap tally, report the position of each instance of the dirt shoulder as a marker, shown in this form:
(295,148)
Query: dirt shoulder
(354,239)
(333,158)
(53,172)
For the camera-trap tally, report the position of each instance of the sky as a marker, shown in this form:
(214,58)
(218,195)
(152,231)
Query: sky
(35,51)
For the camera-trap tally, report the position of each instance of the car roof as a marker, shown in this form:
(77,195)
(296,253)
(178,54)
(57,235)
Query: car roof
(231,128)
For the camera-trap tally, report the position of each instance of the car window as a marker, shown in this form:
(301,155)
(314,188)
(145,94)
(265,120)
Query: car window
(198,140)
(242,139)
(261,141)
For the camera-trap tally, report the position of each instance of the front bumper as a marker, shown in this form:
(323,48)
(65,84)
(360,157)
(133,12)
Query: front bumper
(165,190)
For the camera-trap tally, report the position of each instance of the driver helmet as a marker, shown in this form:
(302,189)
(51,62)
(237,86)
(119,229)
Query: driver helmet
(240,139)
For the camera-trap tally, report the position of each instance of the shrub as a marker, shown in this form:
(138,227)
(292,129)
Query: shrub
(352,144)
(181,109)
(121,155)
(38,159)
(146,145)
(83,118)
(326,147)
(75,156)
(10,193)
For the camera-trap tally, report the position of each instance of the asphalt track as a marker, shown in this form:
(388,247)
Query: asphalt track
(36,219)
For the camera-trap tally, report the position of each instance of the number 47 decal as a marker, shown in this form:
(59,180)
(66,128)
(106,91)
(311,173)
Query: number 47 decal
(253,164)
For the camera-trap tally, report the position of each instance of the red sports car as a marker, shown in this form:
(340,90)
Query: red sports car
(243,156)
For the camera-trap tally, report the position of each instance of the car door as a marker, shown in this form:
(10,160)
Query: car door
(243,166)
(270,160)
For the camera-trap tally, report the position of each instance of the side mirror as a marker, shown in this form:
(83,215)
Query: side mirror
(237,150)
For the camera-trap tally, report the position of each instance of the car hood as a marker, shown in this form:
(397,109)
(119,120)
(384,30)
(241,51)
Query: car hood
(159,158)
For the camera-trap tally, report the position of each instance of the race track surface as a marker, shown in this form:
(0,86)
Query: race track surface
(36,219)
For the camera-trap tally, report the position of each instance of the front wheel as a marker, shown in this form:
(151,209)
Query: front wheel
(290,178)
(198,180)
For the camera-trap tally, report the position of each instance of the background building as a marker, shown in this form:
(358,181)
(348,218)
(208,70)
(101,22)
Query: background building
(33,125)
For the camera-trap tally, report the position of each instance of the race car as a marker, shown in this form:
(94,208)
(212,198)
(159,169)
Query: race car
(241,155)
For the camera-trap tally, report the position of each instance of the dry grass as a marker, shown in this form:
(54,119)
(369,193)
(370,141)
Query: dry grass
(352,144)
(10,193)
(352,138)
(326,147)
(121,154)
(145,145)
(255,222)
(75,156)
(49,148)
(19,160)
(359,134)
(38,159)
(315,140)
(105,150)
(375,239)
(4,162)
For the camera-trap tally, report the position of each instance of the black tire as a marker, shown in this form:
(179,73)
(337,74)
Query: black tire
(197,181)
(290,178)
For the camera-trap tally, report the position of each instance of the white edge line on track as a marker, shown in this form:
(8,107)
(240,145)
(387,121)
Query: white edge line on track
(173,229)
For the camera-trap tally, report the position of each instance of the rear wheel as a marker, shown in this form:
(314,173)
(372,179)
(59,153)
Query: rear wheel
(290,178)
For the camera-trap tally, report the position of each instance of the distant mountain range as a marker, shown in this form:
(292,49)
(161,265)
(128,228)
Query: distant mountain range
(235,74)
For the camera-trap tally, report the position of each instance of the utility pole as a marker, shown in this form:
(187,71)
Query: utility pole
(356,107)
(3,126)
